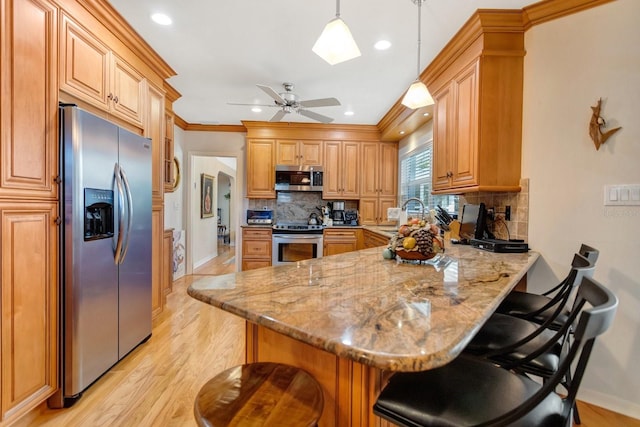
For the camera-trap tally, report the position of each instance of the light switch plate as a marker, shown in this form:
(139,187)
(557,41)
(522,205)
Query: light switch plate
(622,195)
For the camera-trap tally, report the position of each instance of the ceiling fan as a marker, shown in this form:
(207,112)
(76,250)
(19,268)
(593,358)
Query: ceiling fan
(288,102)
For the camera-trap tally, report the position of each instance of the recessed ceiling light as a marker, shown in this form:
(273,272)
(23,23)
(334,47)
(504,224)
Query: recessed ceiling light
(382,45)
(425,114)
(256,109)
(161,18)
(401,132)
(348,113)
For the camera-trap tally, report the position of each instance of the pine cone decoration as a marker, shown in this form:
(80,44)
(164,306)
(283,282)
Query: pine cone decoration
(424,239)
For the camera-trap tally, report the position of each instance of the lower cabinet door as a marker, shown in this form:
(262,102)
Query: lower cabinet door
(29,302)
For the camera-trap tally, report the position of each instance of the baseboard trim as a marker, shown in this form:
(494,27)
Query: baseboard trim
(612,403)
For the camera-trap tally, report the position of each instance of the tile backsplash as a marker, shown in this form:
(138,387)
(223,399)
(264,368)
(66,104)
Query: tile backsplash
(295,206)
(518,226)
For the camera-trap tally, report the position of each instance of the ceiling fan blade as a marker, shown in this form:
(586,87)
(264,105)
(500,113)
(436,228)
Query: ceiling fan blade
(252,105)
(315,116)
(278,116)
(272,93)
(322,102)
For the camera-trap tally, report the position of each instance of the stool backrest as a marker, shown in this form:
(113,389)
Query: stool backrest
(589,253)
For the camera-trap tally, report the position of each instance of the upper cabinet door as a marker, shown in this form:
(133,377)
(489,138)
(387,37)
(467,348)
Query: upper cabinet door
(90,71)
(29,102)
(84,65)
(261,169)
(310,153)
(388,175)
(127,91)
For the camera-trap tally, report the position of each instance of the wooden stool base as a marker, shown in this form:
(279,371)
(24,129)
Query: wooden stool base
(260,394)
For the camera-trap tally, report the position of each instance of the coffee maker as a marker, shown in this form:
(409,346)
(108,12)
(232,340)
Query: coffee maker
(337,214)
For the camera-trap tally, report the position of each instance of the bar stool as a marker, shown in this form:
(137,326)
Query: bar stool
(260,394)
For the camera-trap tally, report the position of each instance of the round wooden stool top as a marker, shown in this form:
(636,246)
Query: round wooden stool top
(260,394)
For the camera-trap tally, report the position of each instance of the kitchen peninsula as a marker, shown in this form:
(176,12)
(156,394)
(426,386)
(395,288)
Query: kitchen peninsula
(351,320)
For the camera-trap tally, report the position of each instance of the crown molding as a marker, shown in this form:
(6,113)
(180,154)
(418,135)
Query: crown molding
(549,10)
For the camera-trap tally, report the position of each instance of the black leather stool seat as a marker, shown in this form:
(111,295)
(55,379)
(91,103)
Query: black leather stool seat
(501,330)
(465,392)
(521,304)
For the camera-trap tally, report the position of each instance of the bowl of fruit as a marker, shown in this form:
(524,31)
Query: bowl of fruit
(415,240)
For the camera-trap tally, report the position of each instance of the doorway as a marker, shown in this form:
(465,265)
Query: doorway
(211,240)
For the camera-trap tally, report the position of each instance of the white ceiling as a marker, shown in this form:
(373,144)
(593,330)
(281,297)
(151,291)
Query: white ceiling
(222,49)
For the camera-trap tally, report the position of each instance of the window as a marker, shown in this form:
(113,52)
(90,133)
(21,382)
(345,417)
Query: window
(415,181)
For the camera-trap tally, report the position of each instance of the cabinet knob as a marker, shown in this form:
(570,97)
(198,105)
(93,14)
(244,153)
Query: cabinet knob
(58,221)
(115,99)
(110,96)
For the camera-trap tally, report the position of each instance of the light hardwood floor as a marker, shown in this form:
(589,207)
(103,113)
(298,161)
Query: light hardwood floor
(157,383)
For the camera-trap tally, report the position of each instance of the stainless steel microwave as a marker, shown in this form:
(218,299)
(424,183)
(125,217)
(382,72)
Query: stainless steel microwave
(298,178)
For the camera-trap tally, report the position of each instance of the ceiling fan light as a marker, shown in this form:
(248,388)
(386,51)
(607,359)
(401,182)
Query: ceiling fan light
(336,44)
(417,96)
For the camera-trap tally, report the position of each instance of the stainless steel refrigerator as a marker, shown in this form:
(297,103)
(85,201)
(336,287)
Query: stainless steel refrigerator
(105,247)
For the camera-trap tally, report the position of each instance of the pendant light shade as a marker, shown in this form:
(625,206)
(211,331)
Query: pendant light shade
(336,44)
(417,95)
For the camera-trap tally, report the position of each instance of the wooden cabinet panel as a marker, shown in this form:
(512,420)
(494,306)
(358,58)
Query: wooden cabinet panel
(388,169)
(373,240)
(373,210)
(29,102)
(154,130)
(90,71)
(299,153)
(340,240)
(84,64)
(341,177)
(170,173)
(261,169)
(369,169)
(442,139)
(466,129)
(157,231)
(127,87)
(29,332)
(256,248)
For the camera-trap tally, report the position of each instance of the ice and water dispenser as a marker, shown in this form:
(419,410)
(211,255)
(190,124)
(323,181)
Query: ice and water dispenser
(98,214)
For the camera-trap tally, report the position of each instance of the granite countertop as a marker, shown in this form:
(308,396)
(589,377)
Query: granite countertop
(383,313)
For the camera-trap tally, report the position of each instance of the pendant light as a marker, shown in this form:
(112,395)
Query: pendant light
(417,95)
(336,44)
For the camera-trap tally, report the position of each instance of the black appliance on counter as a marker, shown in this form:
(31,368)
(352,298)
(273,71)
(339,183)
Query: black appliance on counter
(259,217)
(298,178)
(351,217)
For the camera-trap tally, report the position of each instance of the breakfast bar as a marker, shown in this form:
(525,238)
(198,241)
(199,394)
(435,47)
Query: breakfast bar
(352,320)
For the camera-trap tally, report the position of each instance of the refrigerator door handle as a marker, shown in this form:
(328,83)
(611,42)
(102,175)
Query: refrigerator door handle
(118,248)
(127,190)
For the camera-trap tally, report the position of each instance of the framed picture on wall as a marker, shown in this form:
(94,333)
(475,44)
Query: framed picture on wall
(206,199)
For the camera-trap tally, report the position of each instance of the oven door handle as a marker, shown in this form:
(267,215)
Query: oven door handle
(297,236)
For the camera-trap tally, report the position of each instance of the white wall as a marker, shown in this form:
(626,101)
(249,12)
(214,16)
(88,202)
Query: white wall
(570,63)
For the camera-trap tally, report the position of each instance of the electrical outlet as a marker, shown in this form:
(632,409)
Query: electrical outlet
(507,213)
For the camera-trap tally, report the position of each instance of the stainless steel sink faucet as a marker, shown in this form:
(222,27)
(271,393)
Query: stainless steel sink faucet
(414,199)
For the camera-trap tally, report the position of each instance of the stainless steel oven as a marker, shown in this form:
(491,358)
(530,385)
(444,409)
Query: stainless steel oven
(293,243)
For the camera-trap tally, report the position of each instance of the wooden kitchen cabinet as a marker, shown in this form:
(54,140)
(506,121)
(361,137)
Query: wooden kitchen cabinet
(155,130)
(157,260)
(28,208)
(299,153)
(29,304)
(167,257)
(261,169)
(92,72)
(477,127)
(379,181)
(373,211)
(341,174)
(256,248)
(373,239)
(169,173)
(29,102)
(341,240)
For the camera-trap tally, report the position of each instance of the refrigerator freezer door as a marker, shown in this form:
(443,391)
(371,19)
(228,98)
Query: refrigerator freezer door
(135,267)
(91,276)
